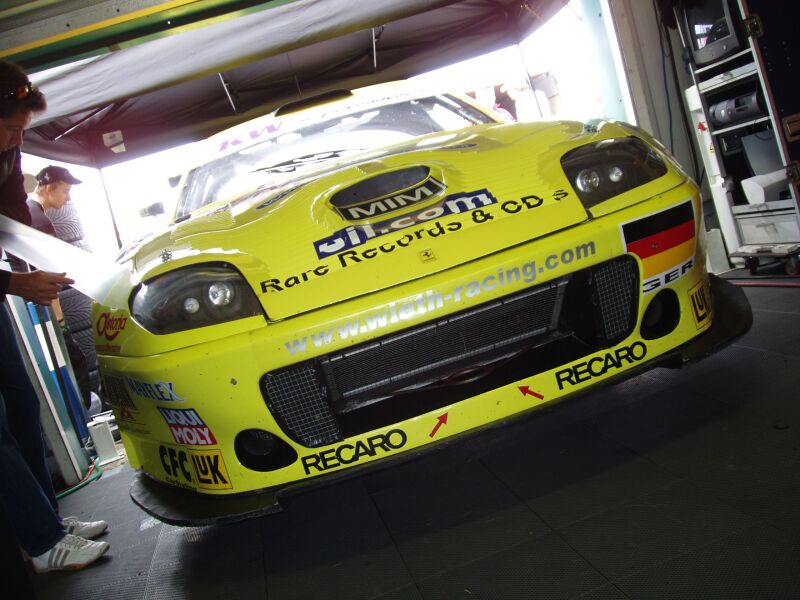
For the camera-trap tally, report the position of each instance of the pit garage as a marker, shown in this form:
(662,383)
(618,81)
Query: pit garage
(619,416)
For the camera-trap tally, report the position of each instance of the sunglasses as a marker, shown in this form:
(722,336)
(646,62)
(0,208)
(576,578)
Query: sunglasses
(18,93)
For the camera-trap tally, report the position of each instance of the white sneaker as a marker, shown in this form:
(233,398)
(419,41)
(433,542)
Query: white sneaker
(71,552)
(89,530)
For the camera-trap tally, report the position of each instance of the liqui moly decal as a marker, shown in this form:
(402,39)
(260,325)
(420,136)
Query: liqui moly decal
(187,427)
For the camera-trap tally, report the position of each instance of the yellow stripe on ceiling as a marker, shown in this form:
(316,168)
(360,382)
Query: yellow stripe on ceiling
(138,14)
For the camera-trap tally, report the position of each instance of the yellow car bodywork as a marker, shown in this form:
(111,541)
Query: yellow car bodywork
(504,220)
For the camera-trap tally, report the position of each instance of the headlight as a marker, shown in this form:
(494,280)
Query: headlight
(192,297)
(608,168)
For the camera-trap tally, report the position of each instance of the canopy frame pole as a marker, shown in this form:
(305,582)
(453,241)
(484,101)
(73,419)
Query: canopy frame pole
(78,124)
(518,44)
(226,86)
(376,34)
(110,210)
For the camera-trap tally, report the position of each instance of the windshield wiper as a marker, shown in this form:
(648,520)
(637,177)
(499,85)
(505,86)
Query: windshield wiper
(295,163)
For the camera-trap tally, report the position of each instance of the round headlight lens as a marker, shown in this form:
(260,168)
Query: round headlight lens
(587,181)
(615,174)
(220,293)
(191,305)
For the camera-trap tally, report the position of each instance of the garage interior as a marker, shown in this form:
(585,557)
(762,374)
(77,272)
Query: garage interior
(674,484)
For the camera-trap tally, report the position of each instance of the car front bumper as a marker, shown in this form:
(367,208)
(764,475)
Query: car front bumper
(176,506)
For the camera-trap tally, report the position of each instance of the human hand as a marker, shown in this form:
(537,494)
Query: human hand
(38,286)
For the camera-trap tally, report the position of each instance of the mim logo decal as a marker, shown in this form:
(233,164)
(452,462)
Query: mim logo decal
(381,206)
(356,235)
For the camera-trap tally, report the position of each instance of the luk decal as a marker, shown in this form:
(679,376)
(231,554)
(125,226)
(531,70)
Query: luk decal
(600,365)
(210,469)
(109,327)
(701,307)
(664,242)
(356,235)
(161,391)
(376,207)
(194,468)
(187,427)
(347,454)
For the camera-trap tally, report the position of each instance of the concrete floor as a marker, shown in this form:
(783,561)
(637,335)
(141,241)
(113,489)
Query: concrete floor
(676,484)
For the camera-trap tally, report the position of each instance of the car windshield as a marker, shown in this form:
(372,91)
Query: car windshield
(331,135)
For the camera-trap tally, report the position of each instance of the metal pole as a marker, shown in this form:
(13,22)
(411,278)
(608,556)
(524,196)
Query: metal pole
(110,209)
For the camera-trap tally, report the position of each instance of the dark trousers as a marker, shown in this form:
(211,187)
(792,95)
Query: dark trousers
(26,489)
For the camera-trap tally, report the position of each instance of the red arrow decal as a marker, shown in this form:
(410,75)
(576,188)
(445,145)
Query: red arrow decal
(529,392)
(442,421)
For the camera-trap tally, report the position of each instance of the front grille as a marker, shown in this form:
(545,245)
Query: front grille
(425,353)
(297,399)
(320,401)
(615,284)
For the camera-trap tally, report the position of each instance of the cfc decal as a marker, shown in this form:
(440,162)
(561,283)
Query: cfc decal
(600,365)
(346,454)
(194,468)
(664,242)
(187,427)
(701,308)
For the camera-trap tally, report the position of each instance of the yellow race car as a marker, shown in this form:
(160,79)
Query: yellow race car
(361,276)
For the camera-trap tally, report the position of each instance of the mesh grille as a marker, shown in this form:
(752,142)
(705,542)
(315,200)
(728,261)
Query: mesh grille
(423,352)
(298,401)
(615,290)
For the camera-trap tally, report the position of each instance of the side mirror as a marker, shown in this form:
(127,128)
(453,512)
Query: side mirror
(152,210)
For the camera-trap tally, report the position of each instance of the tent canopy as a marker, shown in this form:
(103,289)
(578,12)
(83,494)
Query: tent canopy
(185,87)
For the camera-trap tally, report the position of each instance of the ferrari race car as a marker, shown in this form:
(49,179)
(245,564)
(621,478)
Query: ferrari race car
(358,278)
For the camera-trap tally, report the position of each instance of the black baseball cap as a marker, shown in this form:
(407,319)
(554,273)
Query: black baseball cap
(53,174)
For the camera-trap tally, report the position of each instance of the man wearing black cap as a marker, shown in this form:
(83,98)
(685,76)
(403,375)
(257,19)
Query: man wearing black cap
(53,185)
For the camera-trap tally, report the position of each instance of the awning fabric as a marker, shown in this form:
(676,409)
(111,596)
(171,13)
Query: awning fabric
(185,87)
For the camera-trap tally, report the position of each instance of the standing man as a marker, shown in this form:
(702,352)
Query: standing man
(53,185)
(27,499)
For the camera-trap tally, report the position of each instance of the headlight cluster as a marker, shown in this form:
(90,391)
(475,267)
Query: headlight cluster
(605,169)
(192,297)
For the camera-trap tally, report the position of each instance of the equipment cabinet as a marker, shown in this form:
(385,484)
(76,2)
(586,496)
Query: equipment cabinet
(746,139)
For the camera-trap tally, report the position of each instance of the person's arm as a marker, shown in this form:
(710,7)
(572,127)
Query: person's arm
(4,277)
(38,286)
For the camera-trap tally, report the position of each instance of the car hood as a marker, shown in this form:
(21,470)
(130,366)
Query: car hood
(325,232)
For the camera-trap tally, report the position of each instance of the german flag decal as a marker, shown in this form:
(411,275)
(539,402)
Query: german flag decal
(664,242)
